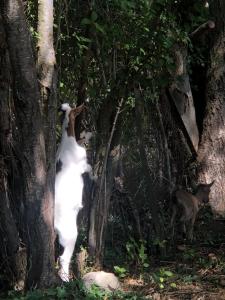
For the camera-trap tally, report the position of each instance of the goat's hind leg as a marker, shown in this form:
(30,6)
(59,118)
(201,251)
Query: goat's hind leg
(191,228)
(67,240)
(172,221)
(184,221)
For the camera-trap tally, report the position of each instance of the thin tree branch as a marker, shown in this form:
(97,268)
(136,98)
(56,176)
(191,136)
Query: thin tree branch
(209,25)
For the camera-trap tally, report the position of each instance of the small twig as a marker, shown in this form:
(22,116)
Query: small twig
(138,189)
(209,25)
(109,143)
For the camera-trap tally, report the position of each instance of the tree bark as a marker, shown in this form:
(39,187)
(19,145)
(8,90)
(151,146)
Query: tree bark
(9,234)
(211,157)
(48,79)
(32,156)
(46,53)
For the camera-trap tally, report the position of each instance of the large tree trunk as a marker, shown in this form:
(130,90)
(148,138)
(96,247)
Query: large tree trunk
(211,156)
(9,235)
(31,143)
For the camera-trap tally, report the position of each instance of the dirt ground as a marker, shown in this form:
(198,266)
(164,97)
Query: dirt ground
(193,271)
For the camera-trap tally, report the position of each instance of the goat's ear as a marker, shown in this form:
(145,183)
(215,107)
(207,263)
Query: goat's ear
(79,109)
(210,184)
(64,107)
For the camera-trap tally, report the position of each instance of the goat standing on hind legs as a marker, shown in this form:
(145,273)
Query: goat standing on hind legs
(71,163)
(189,205)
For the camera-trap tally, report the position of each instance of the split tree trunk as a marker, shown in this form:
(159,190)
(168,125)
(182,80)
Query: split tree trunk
(211,156)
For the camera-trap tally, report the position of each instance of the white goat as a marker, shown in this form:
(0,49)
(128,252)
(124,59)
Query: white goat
(71,163)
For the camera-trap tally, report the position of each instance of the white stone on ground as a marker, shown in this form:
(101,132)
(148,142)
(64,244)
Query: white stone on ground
(106,281)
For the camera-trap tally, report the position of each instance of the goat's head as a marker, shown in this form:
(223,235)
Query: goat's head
(203,191)
(69,114)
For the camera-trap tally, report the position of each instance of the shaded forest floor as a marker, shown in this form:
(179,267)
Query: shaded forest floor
(195,272)
(187,271)
(190,271)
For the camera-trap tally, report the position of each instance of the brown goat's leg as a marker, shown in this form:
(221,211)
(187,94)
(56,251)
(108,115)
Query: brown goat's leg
(190,234)
(184,229)
(172,225)
(183,221)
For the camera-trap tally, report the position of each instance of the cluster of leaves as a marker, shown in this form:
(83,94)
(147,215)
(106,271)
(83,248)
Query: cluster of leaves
(164,277)
(129,40)
(137,252)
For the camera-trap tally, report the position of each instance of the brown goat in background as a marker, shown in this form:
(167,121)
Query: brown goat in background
(189,205)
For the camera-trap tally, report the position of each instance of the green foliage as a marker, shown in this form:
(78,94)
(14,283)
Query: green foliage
(132,40)
(137,252)
(163,278)
(120,271)
(73,290)
(160,243)
(189,278)
(189,254)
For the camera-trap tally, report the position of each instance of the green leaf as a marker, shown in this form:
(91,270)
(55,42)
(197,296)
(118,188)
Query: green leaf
(99,28)
(168,273)
(173,285)
(61,292)
(85,21)
(94,16)
(51,292)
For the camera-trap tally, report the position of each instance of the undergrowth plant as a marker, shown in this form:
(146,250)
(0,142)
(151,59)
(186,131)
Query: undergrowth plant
(72,290)
(136,251)
(163,278)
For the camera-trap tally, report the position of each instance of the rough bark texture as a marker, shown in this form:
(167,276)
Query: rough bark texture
(46,53)
(9,233)
(211,151)
(32,156)
(48,79)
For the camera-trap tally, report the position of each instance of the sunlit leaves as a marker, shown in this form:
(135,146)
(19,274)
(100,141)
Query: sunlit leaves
(129,40)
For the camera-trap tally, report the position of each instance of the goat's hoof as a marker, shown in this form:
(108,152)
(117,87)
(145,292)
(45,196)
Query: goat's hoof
(64,276)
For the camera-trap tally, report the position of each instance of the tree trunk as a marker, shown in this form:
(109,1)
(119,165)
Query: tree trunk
(48,78)
(211,150)
(31,143)
(46,53)
(9,234)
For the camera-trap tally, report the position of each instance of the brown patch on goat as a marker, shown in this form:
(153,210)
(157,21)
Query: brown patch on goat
(72,117)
